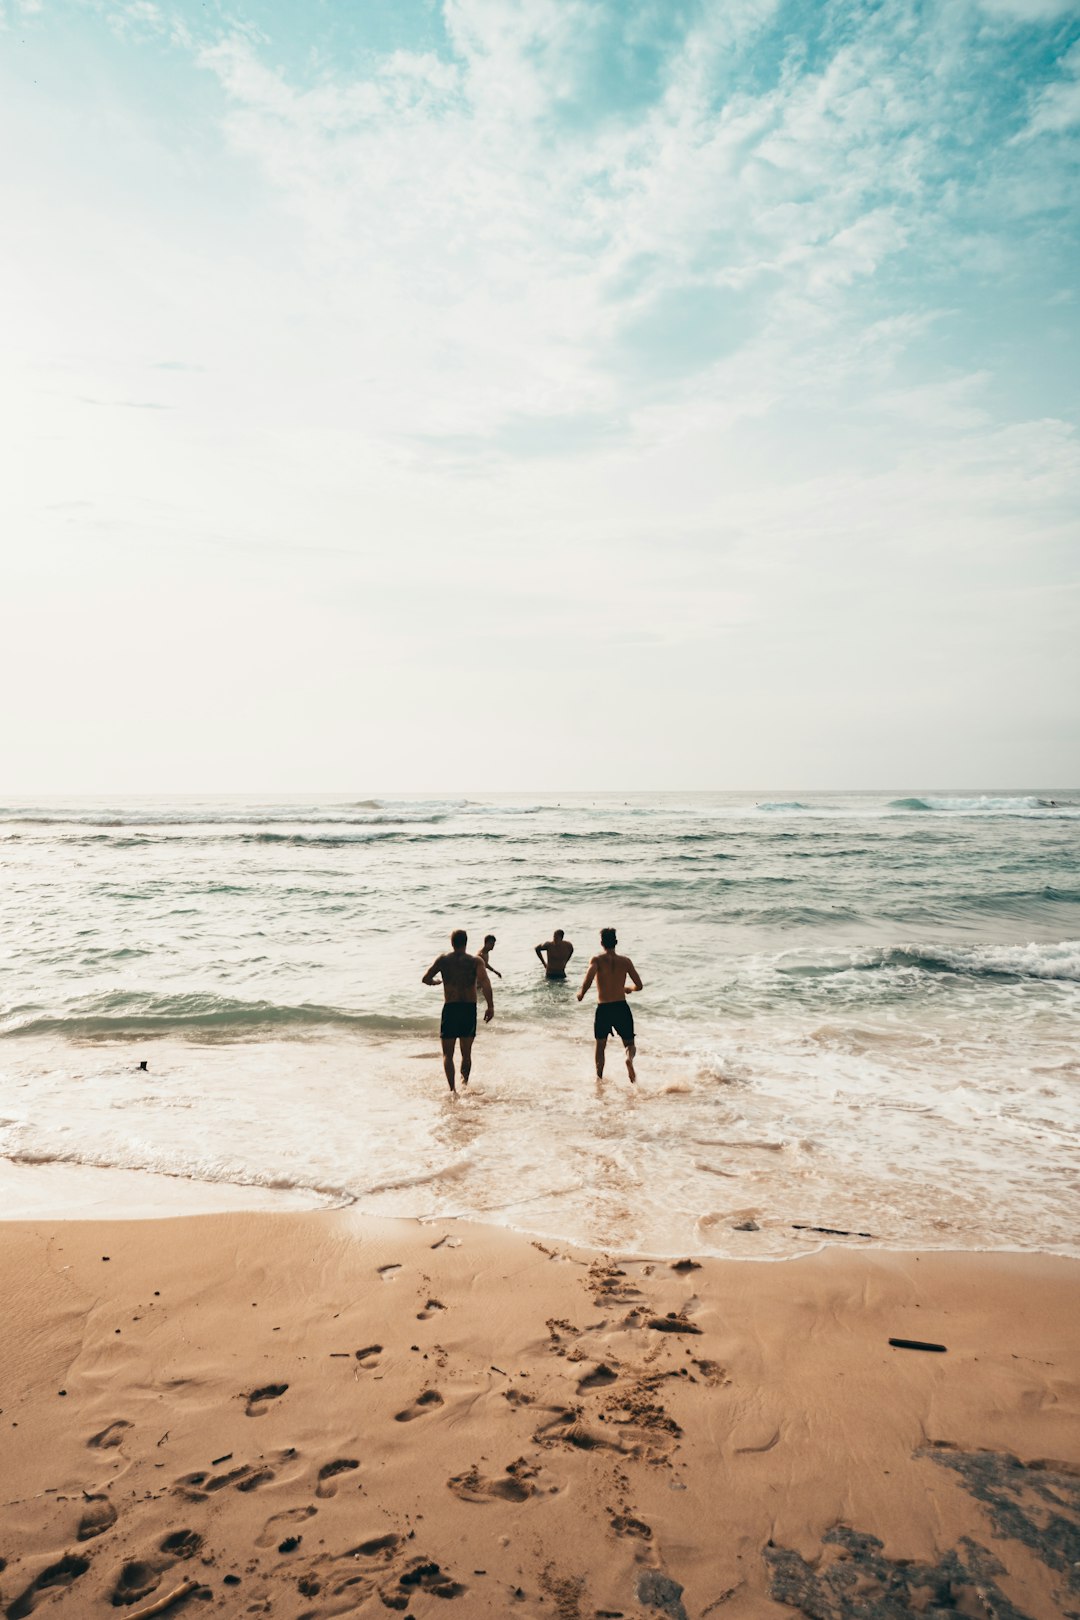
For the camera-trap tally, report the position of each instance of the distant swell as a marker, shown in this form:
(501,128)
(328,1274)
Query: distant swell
(211,1016)
(985,802)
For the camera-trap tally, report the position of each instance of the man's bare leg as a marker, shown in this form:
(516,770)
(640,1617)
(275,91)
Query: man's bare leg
(631,1054)
(448,1063)
(601,1048)
(466,1058)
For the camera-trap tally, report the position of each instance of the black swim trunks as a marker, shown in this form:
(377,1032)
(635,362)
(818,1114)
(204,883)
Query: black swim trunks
(458,1020)
(614,1016)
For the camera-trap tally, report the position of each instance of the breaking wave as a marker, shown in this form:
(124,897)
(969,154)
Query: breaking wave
(1006,805)
(1046,962)
(220,1017)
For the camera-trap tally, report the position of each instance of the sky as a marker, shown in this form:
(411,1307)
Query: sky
(400,395)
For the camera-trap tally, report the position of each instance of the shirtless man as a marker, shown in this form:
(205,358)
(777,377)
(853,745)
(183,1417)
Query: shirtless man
(613,1010)
(484,954)
(460,974)
(559,951)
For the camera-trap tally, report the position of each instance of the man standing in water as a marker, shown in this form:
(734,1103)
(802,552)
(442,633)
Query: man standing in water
(485,954)
(460,974)
(613,1010)
(559,951)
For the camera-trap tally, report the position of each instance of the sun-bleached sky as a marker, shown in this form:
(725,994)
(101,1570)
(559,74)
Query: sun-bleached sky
(411,394)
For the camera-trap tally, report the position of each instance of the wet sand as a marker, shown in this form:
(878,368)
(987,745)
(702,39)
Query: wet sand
(317,1414)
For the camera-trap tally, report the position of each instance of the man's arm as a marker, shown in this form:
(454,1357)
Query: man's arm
(485,985)
(571,952)
(633,972)
(588,979)
(540,949)
(494,970)
(436,967)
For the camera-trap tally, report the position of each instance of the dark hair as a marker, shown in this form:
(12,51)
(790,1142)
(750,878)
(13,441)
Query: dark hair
(459,939)
(489,939)
(558,934)
(608,939)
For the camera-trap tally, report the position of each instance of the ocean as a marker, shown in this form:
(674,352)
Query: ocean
(861,1011)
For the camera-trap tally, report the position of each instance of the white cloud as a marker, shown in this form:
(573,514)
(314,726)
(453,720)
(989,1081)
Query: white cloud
(1056,108)
(1029,11)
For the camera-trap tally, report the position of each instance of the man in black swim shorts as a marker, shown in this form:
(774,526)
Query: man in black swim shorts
(613,1010)
(460,974)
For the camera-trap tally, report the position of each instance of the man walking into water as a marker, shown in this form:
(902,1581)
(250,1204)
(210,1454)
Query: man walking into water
(613,1010)
(460,974)
(559,951)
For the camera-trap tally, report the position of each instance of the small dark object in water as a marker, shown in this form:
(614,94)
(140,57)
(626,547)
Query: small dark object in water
(143,1066)
(829,1231)
(916,1344)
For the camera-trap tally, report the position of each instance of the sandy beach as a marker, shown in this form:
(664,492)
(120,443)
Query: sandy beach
(319,1414)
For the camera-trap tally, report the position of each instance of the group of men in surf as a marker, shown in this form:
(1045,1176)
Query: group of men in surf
(462,976)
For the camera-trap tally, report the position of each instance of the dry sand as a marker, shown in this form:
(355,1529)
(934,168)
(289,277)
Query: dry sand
(307,1415)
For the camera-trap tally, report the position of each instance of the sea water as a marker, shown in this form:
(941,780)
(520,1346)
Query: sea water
(861,1011)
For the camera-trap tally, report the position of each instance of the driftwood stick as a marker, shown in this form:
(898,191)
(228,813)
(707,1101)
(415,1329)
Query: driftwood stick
(160,1604)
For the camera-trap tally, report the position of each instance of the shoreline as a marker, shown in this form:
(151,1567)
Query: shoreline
(321,1412)
(108,1193)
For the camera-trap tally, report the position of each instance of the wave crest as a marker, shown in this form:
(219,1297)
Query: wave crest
(212,1017)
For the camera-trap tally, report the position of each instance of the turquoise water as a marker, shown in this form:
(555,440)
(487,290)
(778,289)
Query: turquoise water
(860,1011)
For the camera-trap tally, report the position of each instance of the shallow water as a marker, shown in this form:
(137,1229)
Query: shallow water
(860,1011)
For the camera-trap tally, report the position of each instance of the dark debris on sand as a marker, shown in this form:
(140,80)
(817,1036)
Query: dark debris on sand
(1048,1522)
(863,1584)
(1036,1504)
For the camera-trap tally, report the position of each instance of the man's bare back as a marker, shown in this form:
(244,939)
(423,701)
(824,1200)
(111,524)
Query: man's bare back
(460,975)
(555,954)
(612,973)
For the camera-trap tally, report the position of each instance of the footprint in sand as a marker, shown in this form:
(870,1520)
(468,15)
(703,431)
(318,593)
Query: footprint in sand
(329,1471)
(258,1400)
(713,1373)
(388,1273)
(567,1429)
(182,1544)
(271,1532)
(514,1485)
(421,1574)
(673,1322)
(369,1355)
(110,1436)
(98,1516)
(196,1487)
(136,1580)
(624,1525)
(381,1547)
(427,1401)
(600,1376)
(430,1308)
(68,1569)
